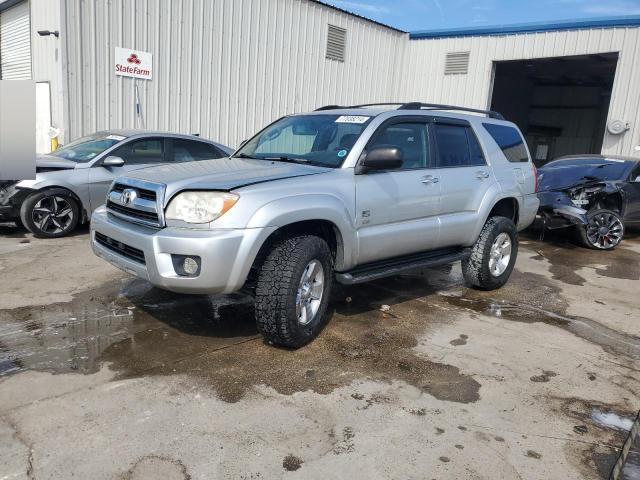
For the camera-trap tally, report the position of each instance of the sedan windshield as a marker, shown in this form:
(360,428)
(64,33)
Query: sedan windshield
(572,170)
(323,140)
(87,148)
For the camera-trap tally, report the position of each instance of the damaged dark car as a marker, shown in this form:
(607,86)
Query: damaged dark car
(596,195)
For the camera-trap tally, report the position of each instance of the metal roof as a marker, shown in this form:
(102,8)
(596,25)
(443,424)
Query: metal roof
(605,22)
(333,7)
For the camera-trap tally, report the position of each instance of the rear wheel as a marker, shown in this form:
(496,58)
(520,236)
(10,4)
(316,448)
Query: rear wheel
(292,291)
(604,230)
(50,213)
(493,256)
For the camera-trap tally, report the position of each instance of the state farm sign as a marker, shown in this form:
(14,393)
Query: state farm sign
(133,63)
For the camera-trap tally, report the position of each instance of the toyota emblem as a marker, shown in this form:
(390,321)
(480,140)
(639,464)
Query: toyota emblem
(128,196)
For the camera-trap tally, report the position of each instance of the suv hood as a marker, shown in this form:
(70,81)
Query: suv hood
(48,163)
(222,173)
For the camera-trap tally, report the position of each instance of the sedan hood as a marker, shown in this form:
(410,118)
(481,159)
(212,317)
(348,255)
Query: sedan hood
(222,173)
(48,163)
(567,177)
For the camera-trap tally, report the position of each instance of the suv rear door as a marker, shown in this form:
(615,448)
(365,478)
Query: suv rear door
(465,178)
(397,210)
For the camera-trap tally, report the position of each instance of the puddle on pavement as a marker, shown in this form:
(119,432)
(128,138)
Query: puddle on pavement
(71,337)
(540,301)
(141,330)
(567,259)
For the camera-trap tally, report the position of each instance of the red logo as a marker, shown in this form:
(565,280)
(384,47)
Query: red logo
(133,58)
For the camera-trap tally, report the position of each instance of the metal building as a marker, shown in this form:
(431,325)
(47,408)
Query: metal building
(225,68)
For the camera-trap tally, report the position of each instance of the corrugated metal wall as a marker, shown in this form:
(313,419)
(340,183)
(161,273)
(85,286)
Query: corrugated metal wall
(15,44)
(48,64)
(222,68)
(424,77)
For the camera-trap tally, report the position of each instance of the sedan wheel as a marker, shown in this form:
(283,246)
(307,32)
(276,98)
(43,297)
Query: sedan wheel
(604,230)
(52,214)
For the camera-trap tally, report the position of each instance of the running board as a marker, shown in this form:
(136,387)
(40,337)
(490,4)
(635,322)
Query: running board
(396,266)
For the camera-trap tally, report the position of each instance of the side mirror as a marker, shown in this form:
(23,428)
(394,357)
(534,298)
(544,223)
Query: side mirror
(637,179)
(112,161)
(381,158)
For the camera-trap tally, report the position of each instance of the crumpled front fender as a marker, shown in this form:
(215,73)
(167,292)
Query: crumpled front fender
(558,207)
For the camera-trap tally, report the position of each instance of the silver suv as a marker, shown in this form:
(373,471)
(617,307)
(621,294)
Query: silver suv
(350,194)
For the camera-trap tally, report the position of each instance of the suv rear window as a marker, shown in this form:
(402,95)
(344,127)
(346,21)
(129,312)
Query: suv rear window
(457,146)
(509,141)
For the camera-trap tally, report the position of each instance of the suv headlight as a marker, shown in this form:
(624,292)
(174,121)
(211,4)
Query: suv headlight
(200,207)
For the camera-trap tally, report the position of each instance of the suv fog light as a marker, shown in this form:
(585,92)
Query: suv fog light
(190,266)
(186,266)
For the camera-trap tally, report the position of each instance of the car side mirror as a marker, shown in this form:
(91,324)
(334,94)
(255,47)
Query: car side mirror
(112,161)
(637,179)
(381,158)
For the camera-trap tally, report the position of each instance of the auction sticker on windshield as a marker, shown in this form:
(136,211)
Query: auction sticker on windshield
(352,119)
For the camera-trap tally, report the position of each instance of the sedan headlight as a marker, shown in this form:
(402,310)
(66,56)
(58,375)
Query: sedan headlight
(200,207)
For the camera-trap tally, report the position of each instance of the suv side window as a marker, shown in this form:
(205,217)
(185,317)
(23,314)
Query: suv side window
(190,150)
(148,150)
(509,141)
(412,138)
(457,146)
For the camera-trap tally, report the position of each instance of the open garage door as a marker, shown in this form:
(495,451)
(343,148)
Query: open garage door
(560,103)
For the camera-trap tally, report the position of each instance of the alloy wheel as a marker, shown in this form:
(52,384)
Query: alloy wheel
(604,230)
(310,291)
(500,255)
(52,214)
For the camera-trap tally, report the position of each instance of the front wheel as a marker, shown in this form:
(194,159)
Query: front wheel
(50,213)
(604,230)
(493,256)
(292,291)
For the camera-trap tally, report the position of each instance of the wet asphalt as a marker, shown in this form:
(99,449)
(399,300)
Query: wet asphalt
(376,333)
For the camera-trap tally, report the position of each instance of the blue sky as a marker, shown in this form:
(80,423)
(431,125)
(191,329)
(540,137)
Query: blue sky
(437,14)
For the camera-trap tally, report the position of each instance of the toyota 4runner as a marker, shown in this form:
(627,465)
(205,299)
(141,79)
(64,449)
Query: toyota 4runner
(346,194)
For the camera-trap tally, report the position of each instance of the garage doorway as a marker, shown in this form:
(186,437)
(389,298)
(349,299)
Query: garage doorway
(560,103)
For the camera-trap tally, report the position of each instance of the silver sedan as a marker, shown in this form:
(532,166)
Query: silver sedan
(73,181)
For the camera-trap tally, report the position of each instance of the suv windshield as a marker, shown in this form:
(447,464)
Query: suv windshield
(86,148)
(324,140)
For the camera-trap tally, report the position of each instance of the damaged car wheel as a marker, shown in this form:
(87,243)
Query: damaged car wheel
(604,230)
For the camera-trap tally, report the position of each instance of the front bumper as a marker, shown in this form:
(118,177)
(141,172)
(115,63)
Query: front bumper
(558,211)
(226,255)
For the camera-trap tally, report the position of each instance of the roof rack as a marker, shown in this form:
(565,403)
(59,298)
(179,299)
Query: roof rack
(417,106)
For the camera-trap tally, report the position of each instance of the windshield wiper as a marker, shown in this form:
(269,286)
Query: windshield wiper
(286,159)
(244,155)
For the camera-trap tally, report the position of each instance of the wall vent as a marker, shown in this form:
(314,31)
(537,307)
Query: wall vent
(336,40)
(456,63)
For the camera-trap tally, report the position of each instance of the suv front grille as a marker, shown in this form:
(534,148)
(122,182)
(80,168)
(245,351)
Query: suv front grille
(137,201)
(132,212)
(142,192)
(118,247)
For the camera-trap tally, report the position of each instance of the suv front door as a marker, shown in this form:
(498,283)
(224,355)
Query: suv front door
(465,178)
(397,210)
(136,154)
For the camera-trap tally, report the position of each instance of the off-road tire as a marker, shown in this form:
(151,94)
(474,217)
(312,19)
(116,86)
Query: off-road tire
(277,286)
(26,212)
(582,229)
(475,268)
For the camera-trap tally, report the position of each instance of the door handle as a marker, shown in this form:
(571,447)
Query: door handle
(430,179)
(482,174)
